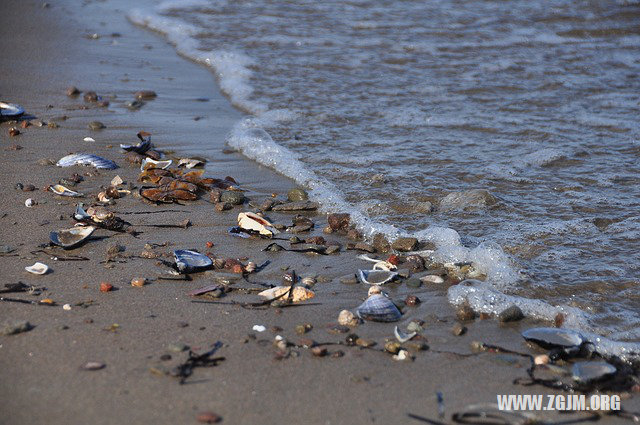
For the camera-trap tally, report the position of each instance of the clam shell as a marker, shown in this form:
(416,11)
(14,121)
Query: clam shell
(86,159)
(190,162)
(378,308)
(592,371)
(151,163)
(254,223)
(10,110)
(299,293)
(550,338)
(60,190)
(403,337)
(376,277)
(37,268)
(140,148)
(80,214)
(70,238)
(190,261)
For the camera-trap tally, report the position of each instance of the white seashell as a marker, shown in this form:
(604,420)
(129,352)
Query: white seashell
(66,307)
(299,293)
(347,318)
(379,264)
(308,280)
(376,277)
(402,355)
(117,181)
(190,162)
(150,163)
(60,190)
(89,139)
(37,268)
(259,328)
(29,203)
(254,223)
(374,290)
(403,337)
(431,278)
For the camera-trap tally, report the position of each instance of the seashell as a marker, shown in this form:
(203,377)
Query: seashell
(190,261)
(86,159)
(150,163)
(70,238)
(138,282)
(139,148)
(190,162)
(431,278)
(103,197)
(10,110)
(553,337)
(60,190)
(403,337)
(99,214)
(30,202)
(116,181)
(37,268)
(254,223)
(378,308)
(299,293)
(80,214)
(379,264)
(308,280)
(374,290)
(89,139)
(587,372)
(250,267)
(376,277)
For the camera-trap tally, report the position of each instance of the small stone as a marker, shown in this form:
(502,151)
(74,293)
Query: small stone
(413,282)
(362,246)
(458,329)
(90,96)
(138,282)
(208,418)
(145,95)
(15,327)
(28,188)
(465,313)
(392,347)
(405,244)
(295,195)
(177,347)
(94,366)
(134,104)
(339,221)
(412,300)
(354,235)
(327,229)
(319,351)
(303,329)
(223,206)
(25,124)
(232,197)
(52,124)
(338,329)
(268,204)
(332,249)
(106,287)
(381,243)
(431,278)
(365,343)
(165,357)
(414,327)
(511,314)
(13,131)
(316,240)
(296,206)
(96,125)
(66,307)
(349,280)
(402,356)
(541,359)
(73,91)
(46,161)
(347,318)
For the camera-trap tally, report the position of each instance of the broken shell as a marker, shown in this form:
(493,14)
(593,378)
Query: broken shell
(86,159)
(10,110)
(402,355)
(117,181)
(60,190)
(308,280)
(89,139)
(378,308)
(250,267)
(37,268)
(403,337)
(150,163)
(189,261)
(587,372)
(299,293)
(553,337)
(347,318)
(103,197)
(379,264)
(70,238)
(254,223)
(376,277)
(140,148)
(190,162)
(29,203)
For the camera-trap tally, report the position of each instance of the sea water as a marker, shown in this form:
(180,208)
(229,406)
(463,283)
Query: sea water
(505,133)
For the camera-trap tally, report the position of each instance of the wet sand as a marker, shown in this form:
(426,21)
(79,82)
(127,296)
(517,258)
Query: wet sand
(42,380)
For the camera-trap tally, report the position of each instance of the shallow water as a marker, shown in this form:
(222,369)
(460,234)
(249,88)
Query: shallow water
(384,108)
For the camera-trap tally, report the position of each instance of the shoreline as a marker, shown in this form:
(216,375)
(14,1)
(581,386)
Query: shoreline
(42,376)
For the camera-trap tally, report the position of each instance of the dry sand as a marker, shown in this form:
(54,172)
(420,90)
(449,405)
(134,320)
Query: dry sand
(44,50)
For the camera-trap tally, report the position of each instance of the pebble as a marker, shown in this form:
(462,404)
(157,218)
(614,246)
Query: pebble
(45,161)
(134,104)
(319,351)
(223,206)
(73,91)
(413,282)
(431,278)
(145,95)
(354,234)
(381,243)
(268,204)
(259,328)
(405,244)
(467,200)
(208,418)
(13,132)
(402,355)
(297,194)
(106,287)
(362,246)
(349,280)
(66,307)
(296,206)
(392,347)
(90,96)
(15,327)
(177,347)
(303,329)
(541,359)
(347,318)
(414,327)
(339,221)
(465,313)
(412,300)
(30,203)
(232,197)
(94,366)
(458,329)
(511,314)
(96,125)
(332,249)
(138,282)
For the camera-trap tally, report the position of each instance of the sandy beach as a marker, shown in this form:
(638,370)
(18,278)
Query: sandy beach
(137,332)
